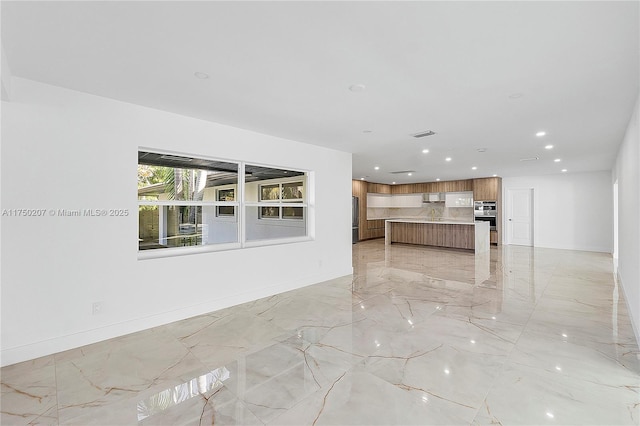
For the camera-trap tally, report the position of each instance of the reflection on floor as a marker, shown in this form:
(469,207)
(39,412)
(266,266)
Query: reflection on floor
(417,336)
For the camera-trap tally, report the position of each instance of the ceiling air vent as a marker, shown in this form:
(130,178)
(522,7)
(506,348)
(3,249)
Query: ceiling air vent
(423,134)
(402,172)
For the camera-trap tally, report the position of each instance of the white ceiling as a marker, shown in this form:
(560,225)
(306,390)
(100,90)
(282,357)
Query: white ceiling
(285,68)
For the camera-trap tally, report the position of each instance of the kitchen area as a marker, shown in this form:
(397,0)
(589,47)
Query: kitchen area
(461,214)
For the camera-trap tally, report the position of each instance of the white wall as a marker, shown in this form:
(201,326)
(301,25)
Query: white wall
(65,149)
(571,211)
(627,173)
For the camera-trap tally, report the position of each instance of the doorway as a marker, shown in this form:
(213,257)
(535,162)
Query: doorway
(519,217)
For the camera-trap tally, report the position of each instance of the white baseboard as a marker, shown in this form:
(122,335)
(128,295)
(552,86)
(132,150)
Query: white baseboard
(598,249)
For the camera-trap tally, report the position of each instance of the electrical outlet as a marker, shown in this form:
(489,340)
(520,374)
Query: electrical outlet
(97,308)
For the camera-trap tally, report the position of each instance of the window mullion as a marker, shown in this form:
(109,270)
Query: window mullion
(281,191)
(242,226)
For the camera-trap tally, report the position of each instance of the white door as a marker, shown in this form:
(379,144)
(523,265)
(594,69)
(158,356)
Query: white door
(520,217)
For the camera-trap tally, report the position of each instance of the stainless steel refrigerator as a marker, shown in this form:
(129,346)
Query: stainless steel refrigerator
(355,221)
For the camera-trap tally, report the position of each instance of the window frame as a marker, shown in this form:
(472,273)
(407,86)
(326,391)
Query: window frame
(223,216)
(281,203)
(240,205)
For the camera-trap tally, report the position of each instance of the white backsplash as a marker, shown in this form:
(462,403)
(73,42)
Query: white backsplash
(462,214)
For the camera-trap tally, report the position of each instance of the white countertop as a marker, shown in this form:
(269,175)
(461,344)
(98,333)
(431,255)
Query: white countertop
(444,222)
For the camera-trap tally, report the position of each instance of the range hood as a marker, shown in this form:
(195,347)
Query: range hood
(433,197)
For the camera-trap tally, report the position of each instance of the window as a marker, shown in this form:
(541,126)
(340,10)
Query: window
(193,202)
(289,192)
(177,204)
(226,195)
(275,203)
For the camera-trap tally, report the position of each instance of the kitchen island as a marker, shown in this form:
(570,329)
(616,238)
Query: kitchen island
(461,235)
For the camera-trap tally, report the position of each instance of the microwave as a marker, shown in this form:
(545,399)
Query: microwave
(484,208)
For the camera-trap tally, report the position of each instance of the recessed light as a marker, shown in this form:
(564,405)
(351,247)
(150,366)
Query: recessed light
(564,170)
(516,95)
(447,159)
(409,174)
(425,151)
(495,176)
(474,168)
(393,183)
(201,75)
(438,179)
(357,87)
(361,178)
(377,168)
(541,134)
(548,147)
(481,149)
(557,160)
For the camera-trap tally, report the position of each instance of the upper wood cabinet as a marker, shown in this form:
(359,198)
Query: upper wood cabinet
(400,189)
(378,188)
(464,185)
(486,189)
(359,189)
(422,188)
(426,187)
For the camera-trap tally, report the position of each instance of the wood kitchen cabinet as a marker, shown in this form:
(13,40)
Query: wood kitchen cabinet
(375,228)
(427,187)
(378,188)
(375,224)
(434,234)
(493,237)
(400,189)
(368,228)
(487,189)
(462,185)
(490,189)
(416,188)
(359,189)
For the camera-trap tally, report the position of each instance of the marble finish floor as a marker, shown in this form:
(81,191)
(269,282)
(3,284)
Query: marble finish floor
(417,336)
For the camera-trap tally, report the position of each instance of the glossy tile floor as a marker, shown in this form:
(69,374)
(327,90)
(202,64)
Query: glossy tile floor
(417,336)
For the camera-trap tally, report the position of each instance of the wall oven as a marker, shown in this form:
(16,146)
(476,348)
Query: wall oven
(486,211)
(490,219)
